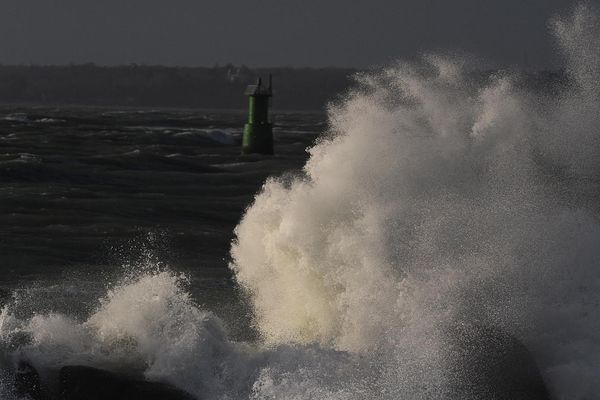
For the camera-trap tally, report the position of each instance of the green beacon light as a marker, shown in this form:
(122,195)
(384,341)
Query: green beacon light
(258,131)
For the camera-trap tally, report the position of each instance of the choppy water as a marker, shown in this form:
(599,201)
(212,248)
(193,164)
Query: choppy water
(89,195)
(430,201)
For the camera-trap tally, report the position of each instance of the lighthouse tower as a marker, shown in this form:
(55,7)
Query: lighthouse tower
(258,131)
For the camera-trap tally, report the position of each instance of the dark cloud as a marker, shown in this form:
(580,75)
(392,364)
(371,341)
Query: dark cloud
(274,32)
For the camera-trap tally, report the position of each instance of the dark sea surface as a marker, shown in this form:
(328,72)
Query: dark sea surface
(89,195)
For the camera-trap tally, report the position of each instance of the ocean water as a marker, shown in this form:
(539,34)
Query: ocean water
(95,197)
(142,241)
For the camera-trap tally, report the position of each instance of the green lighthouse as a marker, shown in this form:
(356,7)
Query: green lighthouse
(258,131)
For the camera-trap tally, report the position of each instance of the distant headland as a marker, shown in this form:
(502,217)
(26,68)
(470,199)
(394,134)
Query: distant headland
(159,86)
(217,87)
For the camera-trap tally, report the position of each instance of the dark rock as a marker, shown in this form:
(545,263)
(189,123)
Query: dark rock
(487,363)
(484,363)
(86,383)
(27,382)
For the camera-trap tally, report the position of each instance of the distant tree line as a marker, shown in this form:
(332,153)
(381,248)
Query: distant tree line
(192,87)
(158,86)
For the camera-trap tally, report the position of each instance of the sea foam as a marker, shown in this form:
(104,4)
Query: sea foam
(434,200)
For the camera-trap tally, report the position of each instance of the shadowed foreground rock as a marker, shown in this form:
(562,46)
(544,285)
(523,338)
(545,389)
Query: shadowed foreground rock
(27,382)
(484,364)
(487,363)
(87,383)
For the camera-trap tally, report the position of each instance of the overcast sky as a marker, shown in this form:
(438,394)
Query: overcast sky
(352,33)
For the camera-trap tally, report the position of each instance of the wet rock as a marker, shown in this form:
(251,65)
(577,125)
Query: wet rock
(487,363)
(86,383)
(27,382)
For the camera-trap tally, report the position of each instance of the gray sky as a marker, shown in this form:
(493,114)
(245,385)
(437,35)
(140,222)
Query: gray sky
(353,33)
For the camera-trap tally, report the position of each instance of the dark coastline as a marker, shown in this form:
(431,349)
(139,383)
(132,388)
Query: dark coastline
(219,87)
